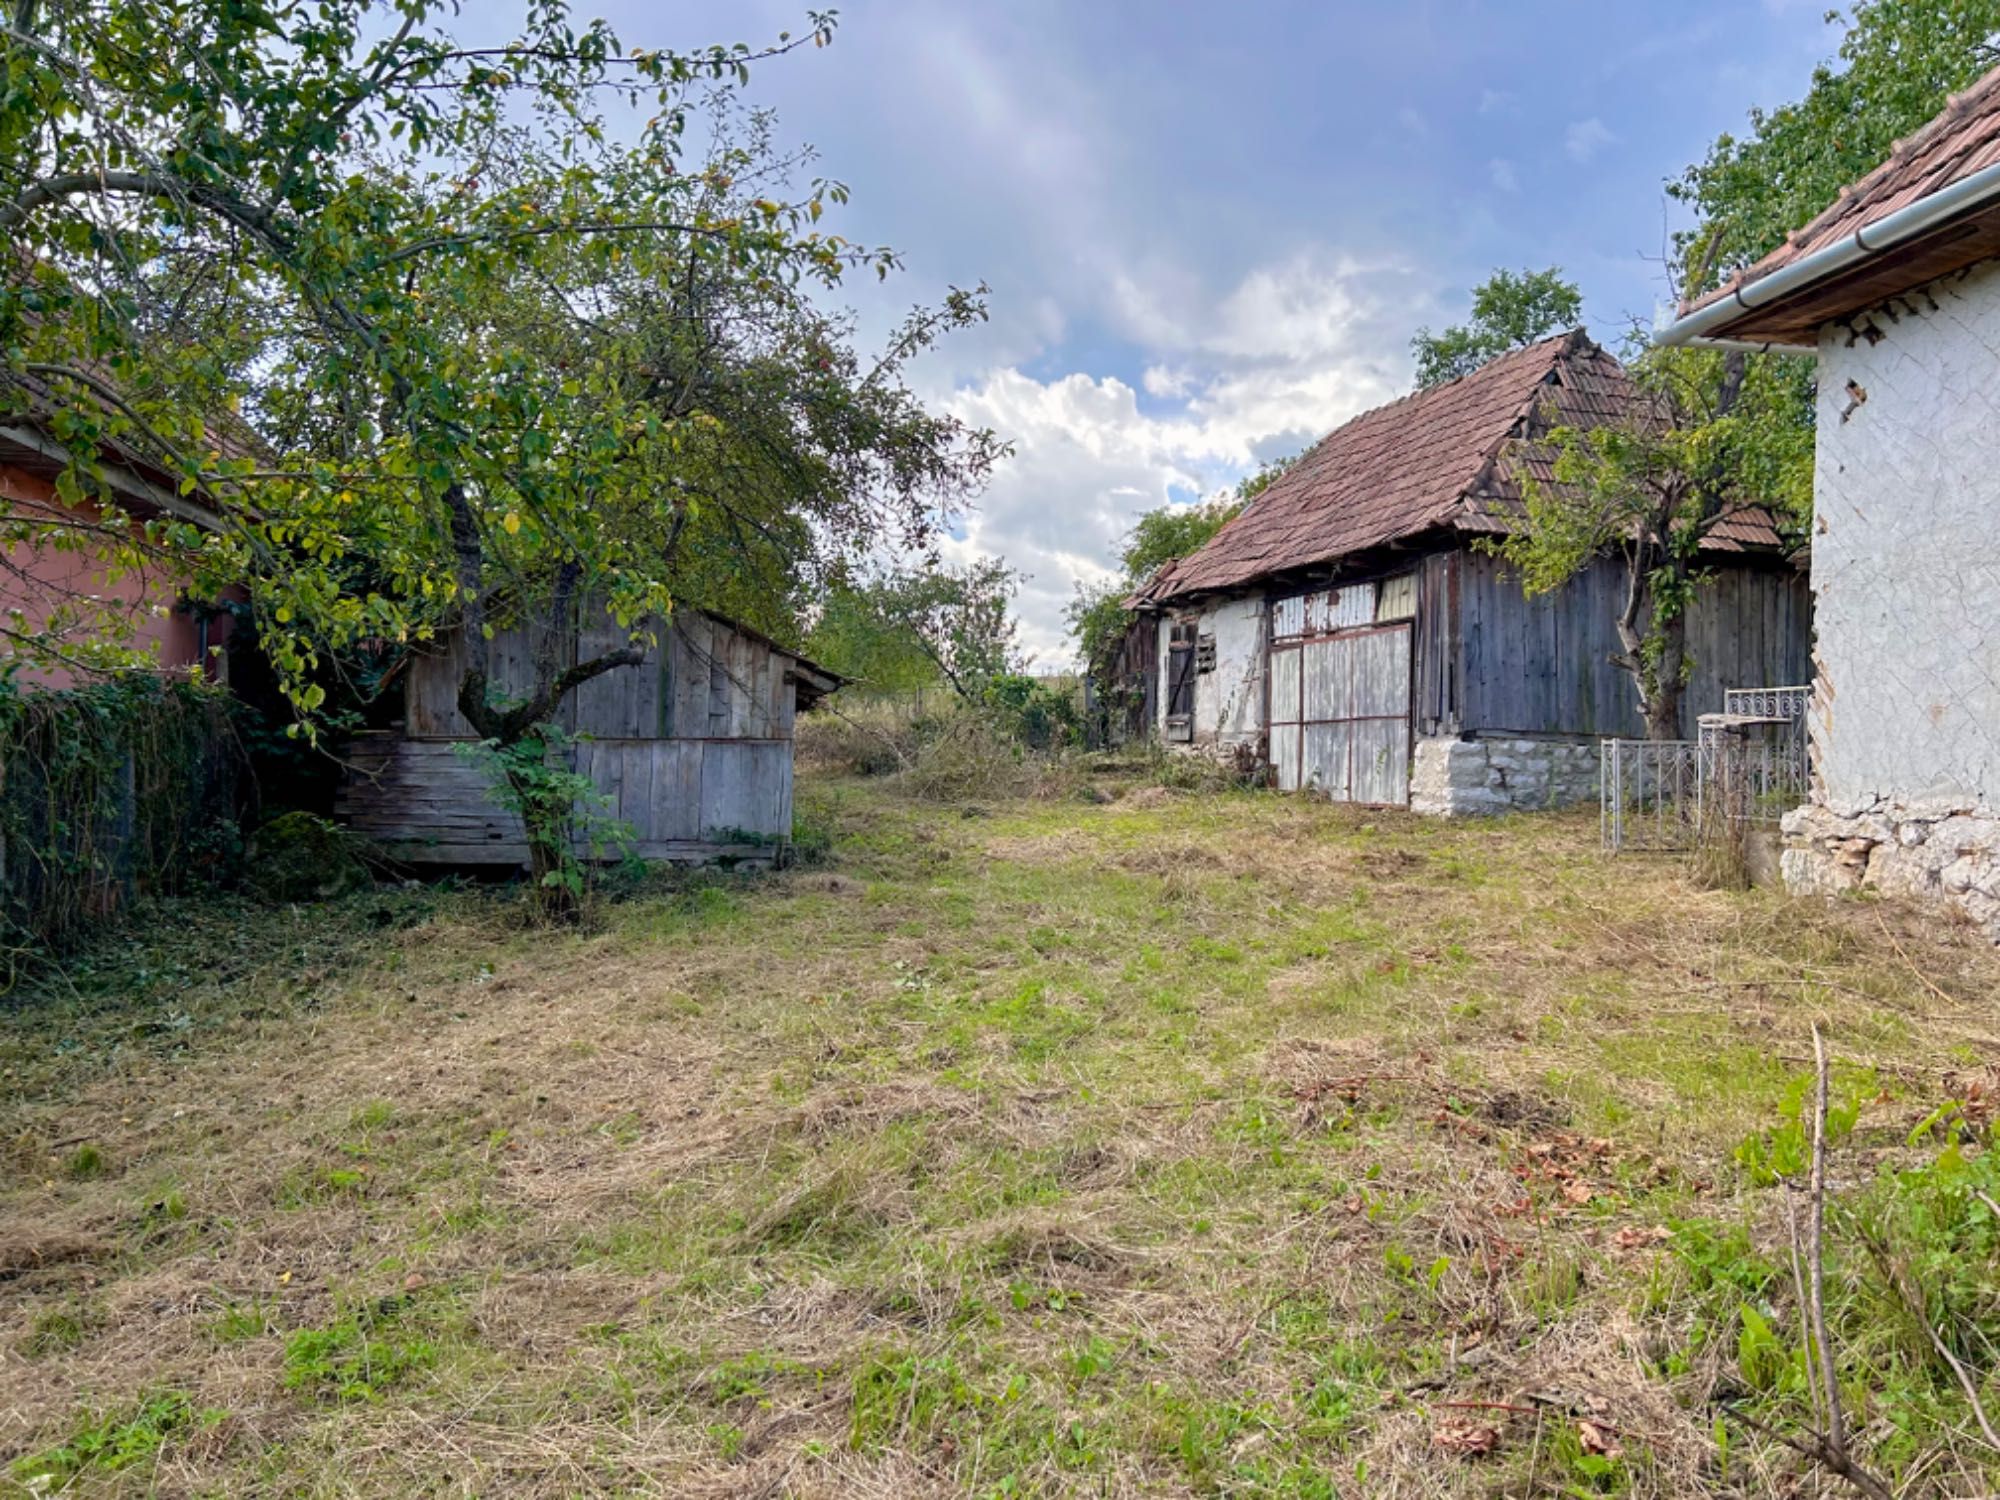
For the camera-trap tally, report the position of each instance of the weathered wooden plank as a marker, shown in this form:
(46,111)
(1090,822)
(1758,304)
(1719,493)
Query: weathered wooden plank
(1380,761)
(677,789)
(635,786)
(1381,677)
(1285,688)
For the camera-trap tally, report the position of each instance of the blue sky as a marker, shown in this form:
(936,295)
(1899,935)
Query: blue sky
(1210,230)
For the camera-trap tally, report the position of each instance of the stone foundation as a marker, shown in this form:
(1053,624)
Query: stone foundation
(1945,857)
(1452,778)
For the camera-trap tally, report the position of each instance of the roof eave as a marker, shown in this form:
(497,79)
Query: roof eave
(127,483)
(1730,320)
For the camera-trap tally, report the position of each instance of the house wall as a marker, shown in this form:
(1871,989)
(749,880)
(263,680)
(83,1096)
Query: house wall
(692,749)
(1906,574)
(1228,701)
(40,580)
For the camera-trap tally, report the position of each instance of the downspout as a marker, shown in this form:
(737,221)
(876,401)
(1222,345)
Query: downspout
(1907,223)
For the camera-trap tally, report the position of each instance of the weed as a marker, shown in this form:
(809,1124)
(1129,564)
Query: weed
(86,1163)
(55,1329)
(238,1322)
(361,1354)
(111,1441)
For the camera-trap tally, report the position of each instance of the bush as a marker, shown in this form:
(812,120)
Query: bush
(963,758)
(1038,714)
(106,791)
(299,857)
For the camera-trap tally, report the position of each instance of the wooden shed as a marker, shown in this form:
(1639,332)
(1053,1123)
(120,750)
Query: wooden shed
(692,749)
(1353,628)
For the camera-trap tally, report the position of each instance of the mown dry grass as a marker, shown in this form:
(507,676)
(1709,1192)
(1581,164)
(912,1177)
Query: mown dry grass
(1214,1145)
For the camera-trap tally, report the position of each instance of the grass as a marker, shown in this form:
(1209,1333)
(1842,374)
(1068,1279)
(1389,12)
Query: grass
(1170,1144)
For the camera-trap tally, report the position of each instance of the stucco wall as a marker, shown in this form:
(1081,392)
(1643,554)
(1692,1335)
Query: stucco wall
(43,581)
(1906,552)
(1906,578)
(1229,701)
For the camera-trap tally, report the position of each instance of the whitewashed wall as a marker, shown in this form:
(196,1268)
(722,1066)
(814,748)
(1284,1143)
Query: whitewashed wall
(1229,701)
(1906,552)
(1906,578)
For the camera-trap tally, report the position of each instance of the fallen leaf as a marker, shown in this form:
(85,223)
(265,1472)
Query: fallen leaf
(1577,1192)
(1632,1236)
(414,1282)
(1471,1439)
(1597,1440)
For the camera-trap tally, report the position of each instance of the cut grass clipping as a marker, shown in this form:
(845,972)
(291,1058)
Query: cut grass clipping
(1161,1143)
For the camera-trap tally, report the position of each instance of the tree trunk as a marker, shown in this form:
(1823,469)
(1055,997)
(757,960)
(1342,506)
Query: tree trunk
(1661,688)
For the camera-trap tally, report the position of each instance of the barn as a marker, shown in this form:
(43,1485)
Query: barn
(1896,289)
(1354,630)
(691,749)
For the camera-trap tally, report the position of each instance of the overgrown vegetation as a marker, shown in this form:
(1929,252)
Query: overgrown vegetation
(107,791)
(446,337)
(1166,1144)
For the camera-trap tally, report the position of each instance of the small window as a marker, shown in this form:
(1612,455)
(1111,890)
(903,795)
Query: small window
(1204,652)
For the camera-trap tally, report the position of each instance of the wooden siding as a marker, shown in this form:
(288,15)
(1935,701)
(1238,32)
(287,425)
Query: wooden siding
(1435,680)
(686,801)
(692,749)
(1542,665)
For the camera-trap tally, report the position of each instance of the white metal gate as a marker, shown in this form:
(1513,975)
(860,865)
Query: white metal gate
(1340,714)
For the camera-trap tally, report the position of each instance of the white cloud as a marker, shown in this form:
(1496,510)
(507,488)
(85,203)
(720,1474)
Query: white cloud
(1502,173)
(1585,138)
(1288,353)
(1413,121)
(1498,102)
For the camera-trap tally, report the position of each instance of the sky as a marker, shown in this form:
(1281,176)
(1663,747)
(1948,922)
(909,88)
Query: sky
(1209,231)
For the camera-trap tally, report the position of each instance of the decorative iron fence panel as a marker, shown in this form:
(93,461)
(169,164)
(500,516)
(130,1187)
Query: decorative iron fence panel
(1649,794)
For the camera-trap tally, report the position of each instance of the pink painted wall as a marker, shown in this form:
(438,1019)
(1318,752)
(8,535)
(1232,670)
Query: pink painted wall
(37,580)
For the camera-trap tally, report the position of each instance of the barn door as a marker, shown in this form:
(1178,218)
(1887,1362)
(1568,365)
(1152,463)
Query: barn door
(1340,713)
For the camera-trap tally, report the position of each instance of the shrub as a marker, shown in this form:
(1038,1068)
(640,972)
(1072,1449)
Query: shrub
(1236,770)
(1038,714)
(964,758)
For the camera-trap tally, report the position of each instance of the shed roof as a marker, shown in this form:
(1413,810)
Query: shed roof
(1961,141)
(813,681)
(1449,458)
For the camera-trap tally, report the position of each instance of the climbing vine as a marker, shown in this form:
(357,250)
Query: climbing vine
(560,808)
(106,791)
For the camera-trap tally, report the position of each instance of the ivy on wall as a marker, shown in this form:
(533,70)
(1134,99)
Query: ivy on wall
(106,791)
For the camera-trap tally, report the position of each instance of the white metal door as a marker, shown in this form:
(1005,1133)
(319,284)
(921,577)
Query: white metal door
(1340,714)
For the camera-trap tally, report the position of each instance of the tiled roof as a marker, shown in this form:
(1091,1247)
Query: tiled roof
(1961,141)
(1441,458)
